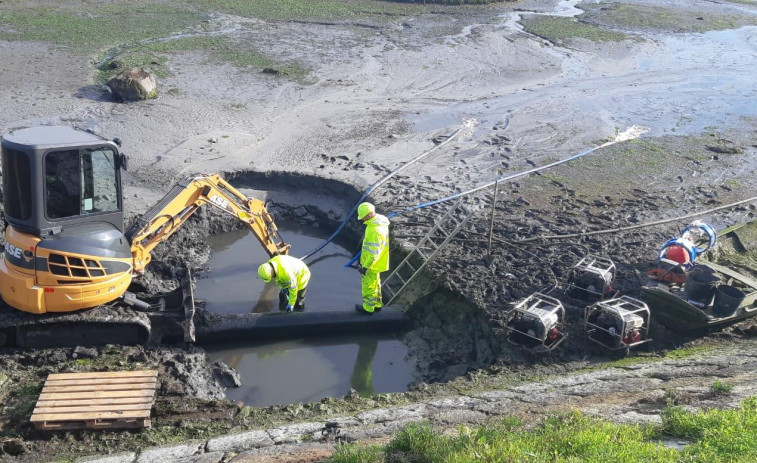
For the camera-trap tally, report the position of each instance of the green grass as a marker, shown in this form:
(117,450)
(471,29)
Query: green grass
(721,388)
(718,435)
(557,29)
(566,438)
(715,436)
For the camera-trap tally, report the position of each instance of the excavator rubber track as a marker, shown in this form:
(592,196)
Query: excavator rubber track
(106,324)
(170,319)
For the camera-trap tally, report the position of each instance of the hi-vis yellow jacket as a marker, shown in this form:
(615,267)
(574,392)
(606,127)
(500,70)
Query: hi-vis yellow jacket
(375,253)
(291,274)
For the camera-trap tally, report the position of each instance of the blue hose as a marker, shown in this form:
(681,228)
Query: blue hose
(479,188)
(376,185)
(630,133)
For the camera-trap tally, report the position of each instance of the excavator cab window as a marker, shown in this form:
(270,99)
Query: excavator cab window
(80,182)
(17,194)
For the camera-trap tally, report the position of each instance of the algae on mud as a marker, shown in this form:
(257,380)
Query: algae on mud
(681,18)
(559,30)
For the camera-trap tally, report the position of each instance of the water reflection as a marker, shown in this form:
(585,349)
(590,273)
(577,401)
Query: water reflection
(305,371)
(362,375)
(233,287)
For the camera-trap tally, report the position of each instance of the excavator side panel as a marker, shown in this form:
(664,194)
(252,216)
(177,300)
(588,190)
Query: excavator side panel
(19,290)
(17,272)
(67,298)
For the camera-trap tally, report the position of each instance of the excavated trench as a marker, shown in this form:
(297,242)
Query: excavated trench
(447,336)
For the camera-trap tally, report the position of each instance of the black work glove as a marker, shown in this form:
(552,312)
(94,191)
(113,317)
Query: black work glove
(363,270)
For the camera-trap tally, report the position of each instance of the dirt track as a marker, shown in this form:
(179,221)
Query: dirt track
(378,94)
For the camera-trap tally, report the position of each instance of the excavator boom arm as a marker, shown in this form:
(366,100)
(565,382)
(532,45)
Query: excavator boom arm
(183,200)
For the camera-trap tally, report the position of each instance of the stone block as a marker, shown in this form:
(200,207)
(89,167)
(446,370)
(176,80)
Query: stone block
(123,457)
(168,453)
(239,442)
(293,433)
(210,457)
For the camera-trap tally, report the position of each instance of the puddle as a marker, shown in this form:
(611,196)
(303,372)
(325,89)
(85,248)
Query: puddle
(306,371)
(233,286)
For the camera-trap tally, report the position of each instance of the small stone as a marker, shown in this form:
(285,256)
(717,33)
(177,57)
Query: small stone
(84,352)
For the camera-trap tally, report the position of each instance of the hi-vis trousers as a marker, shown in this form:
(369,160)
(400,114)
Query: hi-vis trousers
(371,291)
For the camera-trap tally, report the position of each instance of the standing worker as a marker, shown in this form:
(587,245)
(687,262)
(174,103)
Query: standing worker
(374,257)
(292,276)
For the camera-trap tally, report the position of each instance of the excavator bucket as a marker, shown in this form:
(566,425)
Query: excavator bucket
(172,310)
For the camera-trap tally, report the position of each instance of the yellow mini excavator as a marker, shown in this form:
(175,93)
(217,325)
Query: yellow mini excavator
(66,249)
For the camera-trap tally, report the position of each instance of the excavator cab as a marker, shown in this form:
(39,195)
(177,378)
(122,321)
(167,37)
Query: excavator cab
(65,249)
(55,177)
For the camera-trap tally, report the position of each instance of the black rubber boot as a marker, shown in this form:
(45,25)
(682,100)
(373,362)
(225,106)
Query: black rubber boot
(359,308)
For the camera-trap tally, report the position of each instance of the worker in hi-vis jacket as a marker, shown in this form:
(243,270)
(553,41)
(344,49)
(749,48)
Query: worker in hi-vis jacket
(292,276)
(374,256)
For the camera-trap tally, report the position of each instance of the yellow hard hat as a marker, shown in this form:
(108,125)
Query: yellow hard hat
(364,209)
(265,272)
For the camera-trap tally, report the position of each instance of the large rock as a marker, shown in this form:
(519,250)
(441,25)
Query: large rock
(134,84)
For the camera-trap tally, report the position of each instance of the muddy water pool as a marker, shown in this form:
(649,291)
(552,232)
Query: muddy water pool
(309,370)
(297,370)
(233,285)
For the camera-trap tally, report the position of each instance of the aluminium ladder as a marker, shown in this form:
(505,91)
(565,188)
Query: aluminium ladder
(445,229)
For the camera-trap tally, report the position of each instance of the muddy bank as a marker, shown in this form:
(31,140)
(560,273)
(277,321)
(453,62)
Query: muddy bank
(633,390)
(189,387)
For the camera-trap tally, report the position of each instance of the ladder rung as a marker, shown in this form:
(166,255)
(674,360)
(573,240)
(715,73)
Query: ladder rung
(427,249)
(407,276)
(432,246)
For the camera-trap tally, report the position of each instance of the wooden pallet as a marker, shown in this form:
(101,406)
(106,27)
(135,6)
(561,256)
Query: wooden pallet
(101,400)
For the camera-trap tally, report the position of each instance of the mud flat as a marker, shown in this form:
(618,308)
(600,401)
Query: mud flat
(358,93)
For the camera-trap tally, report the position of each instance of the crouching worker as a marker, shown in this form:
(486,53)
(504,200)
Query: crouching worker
(292,276)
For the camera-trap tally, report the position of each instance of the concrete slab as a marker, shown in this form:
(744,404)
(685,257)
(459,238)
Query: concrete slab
(293,433)
(167,453)
(122,457)
(392,414)
(239,442)
(210,457)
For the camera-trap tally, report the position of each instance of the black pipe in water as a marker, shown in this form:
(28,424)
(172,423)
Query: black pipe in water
(255,326)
